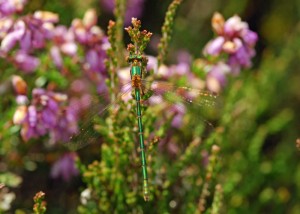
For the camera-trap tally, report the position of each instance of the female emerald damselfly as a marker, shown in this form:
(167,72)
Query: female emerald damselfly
(150,93)
(144,92)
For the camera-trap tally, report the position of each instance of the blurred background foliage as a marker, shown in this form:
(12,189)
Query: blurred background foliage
(258,121)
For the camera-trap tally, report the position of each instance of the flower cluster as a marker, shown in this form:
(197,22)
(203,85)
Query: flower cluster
(236,42)
(83,34)
(46,114)
(9,7)
(29,33)
(22,37)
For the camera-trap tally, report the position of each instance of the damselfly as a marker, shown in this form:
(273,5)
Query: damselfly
(144,93)
(140,89)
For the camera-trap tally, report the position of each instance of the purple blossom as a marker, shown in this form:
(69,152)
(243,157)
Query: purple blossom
(234,39)
(47,113)
(134,8)
(152,64)
(216,77)
(5,25)
(8,7)
(184,57)
(214,47)
(65,167)
(26,62)
(13,36)
(63,44)
(30,32)
(68,119)
(179,111)
(56,56)
(93,40)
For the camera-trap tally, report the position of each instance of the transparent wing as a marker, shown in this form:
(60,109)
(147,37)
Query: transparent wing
(87,133)
(175,94)
(180,100)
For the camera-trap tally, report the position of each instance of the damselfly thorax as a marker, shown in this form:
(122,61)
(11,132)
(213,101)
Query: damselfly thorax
(136,74)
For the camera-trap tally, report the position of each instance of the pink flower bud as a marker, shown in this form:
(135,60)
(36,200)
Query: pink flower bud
(20,115)
(217,23)
(19,85)
(90,18)
(46,16)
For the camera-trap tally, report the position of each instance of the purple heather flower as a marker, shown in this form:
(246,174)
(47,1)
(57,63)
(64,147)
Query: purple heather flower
(216,78)
(22,100)
(214,47)
(26,62)
(5,25)
(56,56)
(179,111)
(13,36)
(93,40)
(87,32)
(180,69)
(8,7)
(65,167)
(134,8)
(20,114)
(30,126)
(184,57)
(68,118)
(152,64)
(64,43)
(234,39)
(234,26)
(47,113)
(30,31)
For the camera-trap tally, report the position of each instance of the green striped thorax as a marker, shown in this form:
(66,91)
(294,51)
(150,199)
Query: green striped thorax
(136,70)
(136,61)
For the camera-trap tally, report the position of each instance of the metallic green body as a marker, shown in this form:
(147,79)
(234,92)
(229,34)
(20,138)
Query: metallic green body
(136,70)
(142,145)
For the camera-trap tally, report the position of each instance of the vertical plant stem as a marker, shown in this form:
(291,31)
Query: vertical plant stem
(167,30)
(208,177)
(119,13)
(112,61)
(217,201)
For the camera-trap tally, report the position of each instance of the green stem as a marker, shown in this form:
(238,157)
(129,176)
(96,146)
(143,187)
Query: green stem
(119,13)
(167,30)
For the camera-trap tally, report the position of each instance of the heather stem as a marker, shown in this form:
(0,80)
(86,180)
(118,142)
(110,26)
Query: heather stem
(217,201)
(208,177)
(112,61)
(39,206)
(119,13)
(167,30)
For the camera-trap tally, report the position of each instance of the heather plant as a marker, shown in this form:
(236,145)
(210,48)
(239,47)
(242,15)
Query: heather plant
(66,87)
(39,206)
